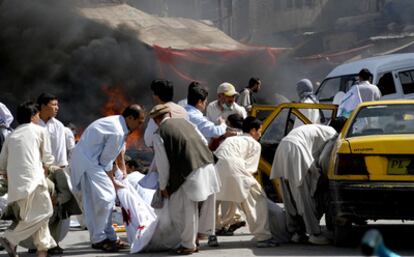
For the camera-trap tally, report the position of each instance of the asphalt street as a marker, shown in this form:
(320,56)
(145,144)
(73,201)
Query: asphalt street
(241,245)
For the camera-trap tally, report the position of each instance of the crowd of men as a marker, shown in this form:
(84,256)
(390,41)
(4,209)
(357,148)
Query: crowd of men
(202,171)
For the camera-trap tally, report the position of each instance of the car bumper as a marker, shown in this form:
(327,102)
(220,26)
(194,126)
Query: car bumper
(372,200)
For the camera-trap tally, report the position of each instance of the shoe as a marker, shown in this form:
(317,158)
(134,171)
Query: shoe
(236,226)
(32,250)
(106,246)
(223,232)
(212,241)
(55,250)
(11,250)
(318,240)
(299,238)
(181,250)
(267,243)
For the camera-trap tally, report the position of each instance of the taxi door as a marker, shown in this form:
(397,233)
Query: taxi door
(278,121)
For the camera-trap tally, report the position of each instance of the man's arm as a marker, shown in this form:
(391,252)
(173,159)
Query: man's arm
(112,147)
(149,132)
(161,160)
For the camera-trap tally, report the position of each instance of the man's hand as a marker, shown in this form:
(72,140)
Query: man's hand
(220,120)
(164,193)
(117,184)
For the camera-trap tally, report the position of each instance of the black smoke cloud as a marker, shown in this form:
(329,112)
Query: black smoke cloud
(46,46)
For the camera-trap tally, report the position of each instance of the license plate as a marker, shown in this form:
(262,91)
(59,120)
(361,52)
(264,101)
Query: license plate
(398,166)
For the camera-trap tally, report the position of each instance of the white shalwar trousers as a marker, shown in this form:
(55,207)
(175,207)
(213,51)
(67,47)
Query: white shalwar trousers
(98,198)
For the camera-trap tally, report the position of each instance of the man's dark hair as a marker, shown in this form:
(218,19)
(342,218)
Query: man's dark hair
(195,94)
(235,120)
(338,123)
(133,110)
(193,84)
(365,74)
(45,98)
(253,81)
(164,89)
(26,111)
(132,163)
(251,123)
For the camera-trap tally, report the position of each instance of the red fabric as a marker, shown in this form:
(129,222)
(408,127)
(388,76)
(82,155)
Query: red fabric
(200,64)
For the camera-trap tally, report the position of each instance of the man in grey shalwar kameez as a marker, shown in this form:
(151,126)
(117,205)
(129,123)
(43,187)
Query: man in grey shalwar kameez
(293,159)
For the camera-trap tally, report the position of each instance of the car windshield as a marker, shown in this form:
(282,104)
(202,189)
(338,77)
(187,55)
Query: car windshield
(330,87)
(383,119)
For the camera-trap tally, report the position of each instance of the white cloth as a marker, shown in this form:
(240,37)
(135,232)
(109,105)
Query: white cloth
(238,158)
(244,99)
(361,92)
(70,139)
(177,111)
(214,111)
(34,214)
(98,147)
(57,140)
(312,114)
(6,118)
(24,153)
(183,102)
(134,177)
(298,150)
(142,220)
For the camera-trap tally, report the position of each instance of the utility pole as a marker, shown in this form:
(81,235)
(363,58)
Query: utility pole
(220,14)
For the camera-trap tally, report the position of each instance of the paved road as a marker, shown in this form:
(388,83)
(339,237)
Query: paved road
(240,245)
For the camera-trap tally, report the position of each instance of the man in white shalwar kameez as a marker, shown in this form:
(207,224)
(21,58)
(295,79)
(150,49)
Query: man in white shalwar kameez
(304,88)
(24,155)
(293,158)
(92,166)
(188,181)
(238,158)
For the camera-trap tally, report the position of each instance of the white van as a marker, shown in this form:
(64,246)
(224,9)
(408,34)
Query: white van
(393,74)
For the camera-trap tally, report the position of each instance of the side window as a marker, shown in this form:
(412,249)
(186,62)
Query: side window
(328,89)
(386,84)
(407,81)
(273,134)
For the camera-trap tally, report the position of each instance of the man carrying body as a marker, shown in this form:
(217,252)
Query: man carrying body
(246,97)
(92,167)
(225,104)
(293,159)
(238,158)
(188,181)
(25,152)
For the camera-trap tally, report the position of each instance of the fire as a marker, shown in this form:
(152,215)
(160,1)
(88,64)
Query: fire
(115,104)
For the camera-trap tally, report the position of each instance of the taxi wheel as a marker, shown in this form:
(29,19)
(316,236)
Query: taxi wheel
(342,233)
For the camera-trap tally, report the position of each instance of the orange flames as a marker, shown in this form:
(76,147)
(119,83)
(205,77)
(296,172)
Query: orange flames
(115,104)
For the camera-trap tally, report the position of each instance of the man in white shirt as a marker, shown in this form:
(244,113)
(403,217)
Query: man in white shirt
(292,162)
(246,97)
(24,155)
(186,182)
(225,104)
(92,172)
(162,93)
(363,91)
(238,158)
(49,107)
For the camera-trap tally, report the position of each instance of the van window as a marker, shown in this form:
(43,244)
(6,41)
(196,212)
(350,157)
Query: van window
(330,87)
(407,81)
(386,84)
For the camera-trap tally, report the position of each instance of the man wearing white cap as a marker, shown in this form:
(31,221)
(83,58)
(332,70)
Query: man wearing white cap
(225,103)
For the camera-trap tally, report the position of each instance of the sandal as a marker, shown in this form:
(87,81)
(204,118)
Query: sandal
(106,246)
(184,251)
(121,244)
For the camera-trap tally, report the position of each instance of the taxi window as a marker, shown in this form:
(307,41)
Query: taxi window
(383,119)
(274,134)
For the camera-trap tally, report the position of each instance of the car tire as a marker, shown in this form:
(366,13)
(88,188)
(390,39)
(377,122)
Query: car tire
(342,234)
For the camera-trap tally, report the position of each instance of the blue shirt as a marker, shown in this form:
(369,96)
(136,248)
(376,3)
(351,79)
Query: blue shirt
(207,128)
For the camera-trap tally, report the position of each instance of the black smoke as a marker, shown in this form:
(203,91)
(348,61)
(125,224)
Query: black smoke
(46,46)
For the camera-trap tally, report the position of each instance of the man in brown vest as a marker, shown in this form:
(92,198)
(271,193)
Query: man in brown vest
(186,174)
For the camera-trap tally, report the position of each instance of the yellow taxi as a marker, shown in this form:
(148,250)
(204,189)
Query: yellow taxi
(371,172)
